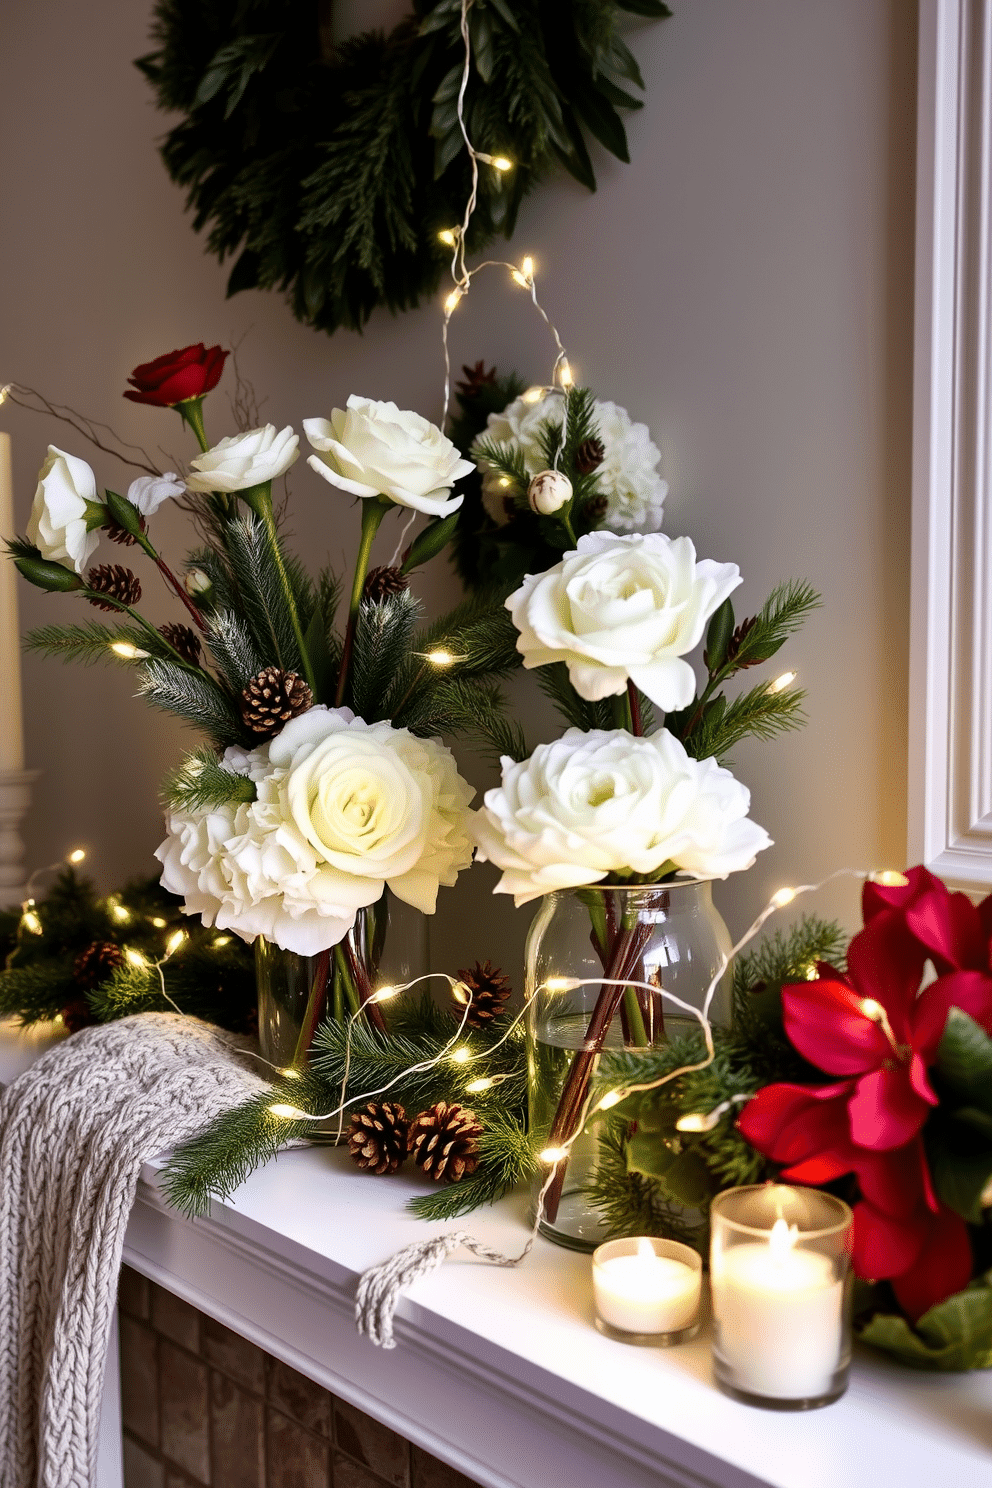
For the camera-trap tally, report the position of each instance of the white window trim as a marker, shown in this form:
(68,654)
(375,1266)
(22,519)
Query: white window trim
(950,735)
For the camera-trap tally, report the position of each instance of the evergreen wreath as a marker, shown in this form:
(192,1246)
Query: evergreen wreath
(329,171)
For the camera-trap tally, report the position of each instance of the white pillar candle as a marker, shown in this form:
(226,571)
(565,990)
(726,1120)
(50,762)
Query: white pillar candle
(11,724)
(778,1314)
(643,1292)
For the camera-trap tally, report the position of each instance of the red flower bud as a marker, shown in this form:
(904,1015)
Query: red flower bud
(177,376)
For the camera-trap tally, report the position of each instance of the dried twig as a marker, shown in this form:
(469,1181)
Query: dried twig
(246,410)
(36,402)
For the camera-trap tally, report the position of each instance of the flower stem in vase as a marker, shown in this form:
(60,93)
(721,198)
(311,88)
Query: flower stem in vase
(626,951)
(316,1006)
(373,512)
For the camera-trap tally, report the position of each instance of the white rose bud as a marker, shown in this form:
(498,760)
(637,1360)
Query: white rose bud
(245,460)
(372,449)
(549,491)
(197,582)
(63,505)
(148,492)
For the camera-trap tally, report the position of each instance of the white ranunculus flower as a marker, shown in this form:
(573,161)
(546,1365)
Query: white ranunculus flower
(245,460)
(606,805)
(628,476)
(343,809)
(619,608)
(57,525)
(376,449)
(148,492)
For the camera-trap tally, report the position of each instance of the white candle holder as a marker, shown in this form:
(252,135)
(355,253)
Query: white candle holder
(781,1284)
(647,1290)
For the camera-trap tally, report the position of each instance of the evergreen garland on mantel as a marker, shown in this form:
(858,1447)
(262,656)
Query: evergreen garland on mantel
(329,171)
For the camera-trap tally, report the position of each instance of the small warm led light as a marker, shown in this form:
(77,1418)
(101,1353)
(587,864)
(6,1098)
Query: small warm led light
(782,897)
(528,266)
(120,914)
(505,481)
(611,1098)
(287,1112)
(461,1056)
(384,994)
(289,1073)
(4,392)
(447,236)
(520,279)
(561,984)
(553,1154)
(565,374)
(220,940)
(696,1121)
(135,958)
(872,1009)
(440,658)
(174,942)
(159,923)
(77,855)
(781,683)
(31,922)
(501,163)
(889,878)
(474,1087)
(451,303)
(812,972)
(532,395)
(127,651)
(461,993)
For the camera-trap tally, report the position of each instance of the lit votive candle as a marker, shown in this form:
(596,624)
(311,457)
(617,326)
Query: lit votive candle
(780,1281)
(646,1290)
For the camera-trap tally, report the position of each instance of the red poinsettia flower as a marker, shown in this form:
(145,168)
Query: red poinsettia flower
(177,376)
(955,933)
(876,1027)
(901,1232)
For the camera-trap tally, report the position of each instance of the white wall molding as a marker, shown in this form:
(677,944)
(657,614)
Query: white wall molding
(950,766)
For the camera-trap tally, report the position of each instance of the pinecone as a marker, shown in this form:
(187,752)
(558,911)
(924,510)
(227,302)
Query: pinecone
(737,640)
(184,639)
(595,509)
(95,964)
(272,698)
(377,1137)
(444,1141)
(383,583)
(76,1015)
(490,991)
(119,534)
(474,380)
(113,579)
(589,456)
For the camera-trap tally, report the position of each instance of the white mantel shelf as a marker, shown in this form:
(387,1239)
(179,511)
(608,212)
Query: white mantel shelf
(501,1373)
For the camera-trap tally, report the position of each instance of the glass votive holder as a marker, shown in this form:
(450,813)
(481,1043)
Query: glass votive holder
(646,1290)
(781,1283)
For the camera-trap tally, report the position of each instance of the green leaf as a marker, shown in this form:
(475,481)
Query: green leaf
(321,662)
(648,1153)
(719,631)
(124,513)
(50,576)
(655,10)
(688,1180)
(964,1060)
(602,121)
(434,538)
(954,1335)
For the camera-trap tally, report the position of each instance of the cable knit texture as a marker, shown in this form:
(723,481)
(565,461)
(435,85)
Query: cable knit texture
(74,1132)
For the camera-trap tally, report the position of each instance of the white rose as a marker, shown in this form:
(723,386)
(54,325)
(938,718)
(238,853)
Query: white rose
(148,492)
(58,522)
(605,804)
(245,460)
(619,608)
(627,477)
(376,449)
(342,809)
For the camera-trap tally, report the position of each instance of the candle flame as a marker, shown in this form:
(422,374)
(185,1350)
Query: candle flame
(645,1250)
(782,1239)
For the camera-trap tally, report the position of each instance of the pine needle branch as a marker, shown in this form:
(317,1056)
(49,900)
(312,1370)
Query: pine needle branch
(577,711)
(233,648)
(507,1156)
(202,782)
(756,714)
(89,642)
(194,697)
(784,612)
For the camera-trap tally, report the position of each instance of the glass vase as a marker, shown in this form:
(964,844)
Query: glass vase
(386,946)
(668,936)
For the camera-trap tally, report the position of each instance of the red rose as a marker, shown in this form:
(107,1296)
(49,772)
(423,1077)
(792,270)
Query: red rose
(177,376)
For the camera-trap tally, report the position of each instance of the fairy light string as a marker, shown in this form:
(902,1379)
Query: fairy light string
(522,274)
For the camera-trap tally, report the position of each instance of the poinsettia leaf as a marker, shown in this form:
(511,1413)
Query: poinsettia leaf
(964,1060)
(649,1154)
(954,1335)
(688,1180)
(961,1167)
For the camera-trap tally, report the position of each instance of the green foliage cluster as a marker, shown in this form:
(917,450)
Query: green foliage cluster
(209,976)
(327,171)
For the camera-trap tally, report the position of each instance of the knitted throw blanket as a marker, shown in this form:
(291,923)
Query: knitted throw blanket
(74,1131)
